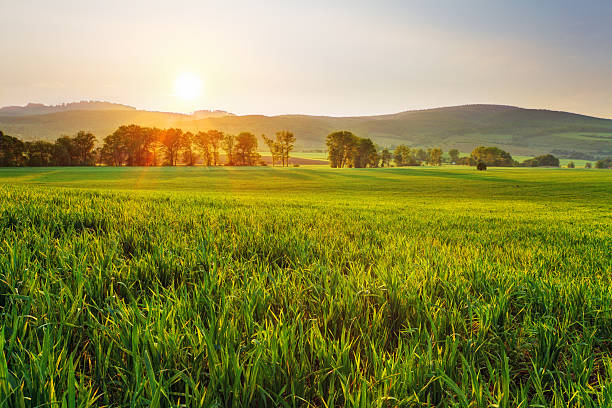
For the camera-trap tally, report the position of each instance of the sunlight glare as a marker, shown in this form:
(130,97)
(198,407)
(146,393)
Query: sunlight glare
(188,86)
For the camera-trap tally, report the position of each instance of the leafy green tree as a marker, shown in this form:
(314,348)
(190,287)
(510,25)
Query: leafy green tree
(420,155)
(228,144)
(587,165)
(341,148)
(246,149)
(138,143)
(202,141)
(12,151)
(285,140)
(492,156)
(190,155)
(603,164)
(172,141)
(40,154)
(215,138)
(276,150)
(547,160)
(83,145)
(571,165)
(402,155)
(114,151)
(434,156)
(365,154)
(64,153)
(385,158)
(454,155)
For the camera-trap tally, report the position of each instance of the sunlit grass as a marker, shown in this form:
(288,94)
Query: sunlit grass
(306,287)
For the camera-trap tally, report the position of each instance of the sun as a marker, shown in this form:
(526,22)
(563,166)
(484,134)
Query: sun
(187,86)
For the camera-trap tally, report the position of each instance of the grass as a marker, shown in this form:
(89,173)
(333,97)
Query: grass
(305,287)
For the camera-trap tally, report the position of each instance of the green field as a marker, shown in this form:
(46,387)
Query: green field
(305,287)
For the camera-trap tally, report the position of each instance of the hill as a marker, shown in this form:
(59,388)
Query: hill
(520,131)
(39,108)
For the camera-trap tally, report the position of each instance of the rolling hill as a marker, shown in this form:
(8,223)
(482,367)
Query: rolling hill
(520,131)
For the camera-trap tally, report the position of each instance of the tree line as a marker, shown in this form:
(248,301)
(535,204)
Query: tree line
(78,150)
(134,145)
(344,149)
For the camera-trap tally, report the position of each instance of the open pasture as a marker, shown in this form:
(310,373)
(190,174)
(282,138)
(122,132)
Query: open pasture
(305,287)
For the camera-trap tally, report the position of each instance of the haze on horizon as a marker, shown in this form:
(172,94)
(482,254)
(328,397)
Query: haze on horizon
(341,59)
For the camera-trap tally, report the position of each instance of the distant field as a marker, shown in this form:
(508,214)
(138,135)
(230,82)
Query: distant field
(307,286)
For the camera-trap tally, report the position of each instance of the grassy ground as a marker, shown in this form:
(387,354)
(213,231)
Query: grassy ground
(306,287)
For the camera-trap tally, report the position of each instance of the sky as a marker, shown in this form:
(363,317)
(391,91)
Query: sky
(338,58)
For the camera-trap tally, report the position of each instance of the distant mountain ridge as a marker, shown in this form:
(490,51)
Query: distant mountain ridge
(518,130)
(40,109)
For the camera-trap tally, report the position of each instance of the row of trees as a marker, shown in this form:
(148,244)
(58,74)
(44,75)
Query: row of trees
(134,145)
(141,146)
(547,160)
(603,164)
(78,150)
(405,156)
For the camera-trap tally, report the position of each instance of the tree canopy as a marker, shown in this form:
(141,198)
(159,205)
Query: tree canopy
(546,160)
(492,156)
(347,150)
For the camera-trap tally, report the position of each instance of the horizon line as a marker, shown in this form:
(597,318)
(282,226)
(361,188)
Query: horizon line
(229,113)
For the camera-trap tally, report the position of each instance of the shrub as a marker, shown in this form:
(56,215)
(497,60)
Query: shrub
(604,164)
(546,160)
(482,166)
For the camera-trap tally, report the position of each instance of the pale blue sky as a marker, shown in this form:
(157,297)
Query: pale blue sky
(316,57)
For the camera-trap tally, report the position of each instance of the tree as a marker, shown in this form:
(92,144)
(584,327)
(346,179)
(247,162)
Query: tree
(83,144)
(202,140)
(137,142)
(385,158)
(246,149)
(587,165)
(434,156)
(276,150)
(571,165)
(12,151)
(214,139)
(365,154)
(190,155)
(603,164)
(64,153)
(402,155)
(341,146)
(547,160)
(113,150)
(492,156)
(466,161)
(481,166)
(172,141)
(40,154)
(227,144)
(156,148)
(454,155)
(420,155)
(285,140)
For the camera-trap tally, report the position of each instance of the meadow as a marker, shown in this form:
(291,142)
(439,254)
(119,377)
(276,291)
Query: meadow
(305,287)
